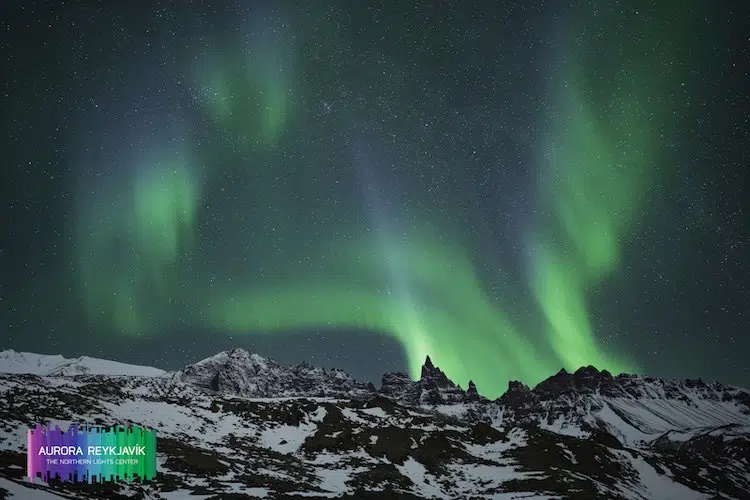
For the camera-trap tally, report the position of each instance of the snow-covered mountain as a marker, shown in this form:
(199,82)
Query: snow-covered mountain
(237,425)
(56,365)
(243,374)
(633,408)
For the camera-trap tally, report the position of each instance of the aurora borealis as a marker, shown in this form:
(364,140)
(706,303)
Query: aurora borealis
(510,189)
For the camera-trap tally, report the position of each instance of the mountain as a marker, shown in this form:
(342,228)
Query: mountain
(237,425)
(633,408)
(243,374)
(433,388)
(56,365)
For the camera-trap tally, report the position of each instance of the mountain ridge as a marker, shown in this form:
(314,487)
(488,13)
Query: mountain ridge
(238,425)
(12,361)
(585,378)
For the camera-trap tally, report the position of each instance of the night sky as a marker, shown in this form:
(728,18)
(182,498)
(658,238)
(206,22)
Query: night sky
(509,187)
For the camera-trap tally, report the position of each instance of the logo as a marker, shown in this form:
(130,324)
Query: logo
(85,454)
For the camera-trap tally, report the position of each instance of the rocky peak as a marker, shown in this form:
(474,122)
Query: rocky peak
(305,366)
(589,370)
(471,393)
(433,388)
(585,379)
(517,395)
(518,387)
(238,372)
(432,375)
(559,383)
(588,380)
(429,370)
(692,383)
(588,377)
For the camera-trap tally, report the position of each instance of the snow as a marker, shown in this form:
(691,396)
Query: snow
(727,433)
(351,415)
(164,416)
(518,437)
(56,365)
(568,453)
(454,410)
(731,432)
(656,416)
(492,476)
(523,496)
(15,439)
(182,495)
(424,483)
(319,414)
(433,427)
(682,436)
(241,488)
(93,366)
(376,412)
(658,486)
(23,492)
(259,361)
(286,438)
(643,420)
(27,362)
(326,458)
(315,494)
(256,492)
(492,451)
(622,430)
(334,480)
(561,426)
(284,399)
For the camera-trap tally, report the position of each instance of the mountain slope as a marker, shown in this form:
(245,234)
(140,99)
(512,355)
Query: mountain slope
(631,407)
(56,365)
(410,439)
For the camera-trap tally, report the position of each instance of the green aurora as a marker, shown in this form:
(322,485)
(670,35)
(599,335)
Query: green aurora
(413,283)
(599,168)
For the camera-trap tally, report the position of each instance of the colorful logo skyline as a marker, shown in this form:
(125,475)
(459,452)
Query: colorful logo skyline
(91,453)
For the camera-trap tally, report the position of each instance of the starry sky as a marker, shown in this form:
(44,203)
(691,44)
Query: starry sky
(509,187)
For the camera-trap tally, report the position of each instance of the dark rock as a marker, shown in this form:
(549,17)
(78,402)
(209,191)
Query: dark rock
(471,393)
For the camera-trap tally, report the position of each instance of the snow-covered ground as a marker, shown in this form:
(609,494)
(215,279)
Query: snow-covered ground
(658,486)
(23,492)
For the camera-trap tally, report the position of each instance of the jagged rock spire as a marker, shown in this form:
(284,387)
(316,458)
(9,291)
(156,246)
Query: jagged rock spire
(471,393)
(432,372)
